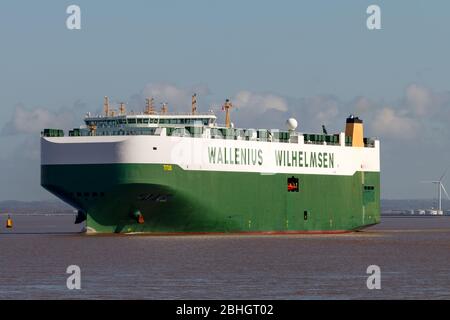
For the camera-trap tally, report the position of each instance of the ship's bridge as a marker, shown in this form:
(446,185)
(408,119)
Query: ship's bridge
(135,124)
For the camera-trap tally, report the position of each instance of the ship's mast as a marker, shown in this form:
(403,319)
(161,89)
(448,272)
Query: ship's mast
(122,109)
(164,108)
(194,103)
(149,108)
(227,106)
(106,106)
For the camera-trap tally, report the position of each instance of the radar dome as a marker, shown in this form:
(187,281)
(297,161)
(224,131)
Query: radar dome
(291,124)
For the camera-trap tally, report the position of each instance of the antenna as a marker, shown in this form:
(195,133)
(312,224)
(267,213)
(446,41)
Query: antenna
(440,187)
(194,103)
(227,106)
(122,109)
(149,108)
(106,106)
(164,108)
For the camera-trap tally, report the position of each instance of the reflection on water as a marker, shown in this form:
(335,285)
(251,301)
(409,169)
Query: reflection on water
(413,254)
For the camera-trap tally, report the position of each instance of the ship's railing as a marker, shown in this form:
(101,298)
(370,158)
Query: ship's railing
(52,133)
(329,139)
(131,114)
(262,135)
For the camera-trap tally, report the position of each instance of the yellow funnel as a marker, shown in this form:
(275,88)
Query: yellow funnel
(354,129)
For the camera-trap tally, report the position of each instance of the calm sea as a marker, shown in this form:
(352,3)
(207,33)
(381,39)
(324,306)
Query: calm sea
(413,254)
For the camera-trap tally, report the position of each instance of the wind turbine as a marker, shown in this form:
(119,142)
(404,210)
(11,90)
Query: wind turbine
(440,187)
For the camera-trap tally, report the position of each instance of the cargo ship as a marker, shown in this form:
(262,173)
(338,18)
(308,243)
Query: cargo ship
(165,173)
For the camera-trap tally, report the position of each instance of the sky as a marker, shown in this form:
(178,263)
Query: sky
(313,60)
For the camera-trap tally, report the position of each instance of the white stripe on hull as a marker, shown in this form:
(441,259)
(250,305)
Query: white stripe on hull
(193,154)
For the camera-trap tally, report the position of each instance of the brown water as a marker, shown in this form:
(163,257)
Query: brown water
(413,254)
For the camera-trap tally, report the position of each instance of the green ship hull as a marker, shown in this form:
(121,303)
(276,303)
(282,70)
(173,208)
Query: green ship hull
(165,199)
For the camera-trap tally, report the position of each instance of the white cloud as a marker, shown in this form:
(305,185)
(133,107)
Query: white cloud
(362,105)
(260,102)
(389,123)
(322,109)
(420,99)
(178,98)
(33,121)
(420,110)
